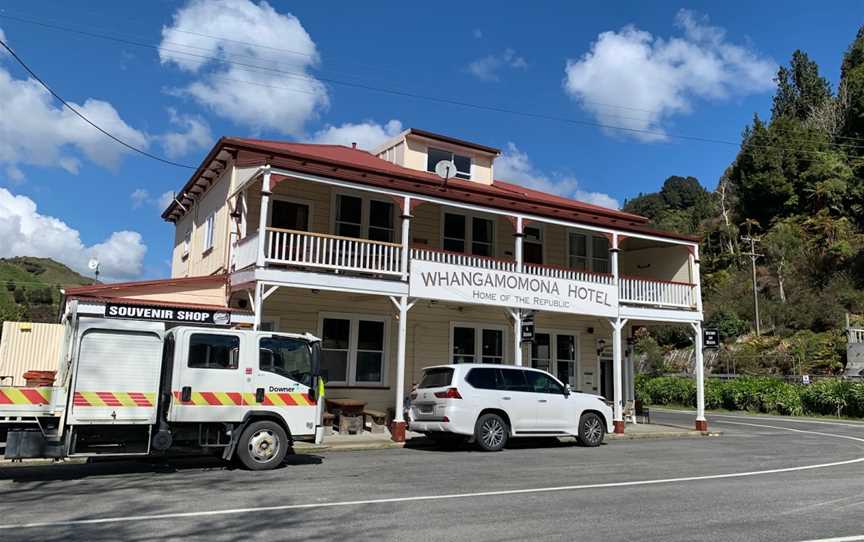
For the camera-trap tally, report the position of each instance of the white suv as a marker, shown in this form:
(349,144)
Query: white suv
(492,403)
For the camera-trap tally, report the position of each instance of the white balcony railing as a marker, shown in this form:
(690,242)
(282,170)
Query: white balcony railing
(565,273)
(460,259)
(309,249)
(856,335)
(245,252)
(656,293)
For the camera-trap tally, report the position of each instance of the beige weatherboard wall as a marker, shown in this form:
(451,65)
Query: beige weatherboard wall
(411,150)
(27,346)
(429,339)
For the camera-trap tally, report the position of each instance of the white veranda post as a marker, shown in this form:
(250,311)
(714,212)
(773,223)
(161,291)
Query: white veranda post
(617,378)
(516,314)
(262,217)
(701,422)
(398,428)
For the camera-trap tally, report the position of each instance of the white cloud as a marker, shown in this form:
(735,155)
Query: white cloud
(34,130)
(163,201)
(488,67)
(367,134)
(514,166)
(25,232)
(142,196)
(635,80)
(193,134)
(280,94)
(139,197)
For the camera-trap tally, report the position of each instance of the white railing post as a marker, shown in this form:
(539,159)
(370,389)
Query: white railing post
(613,256)
(262,218)
(406,237)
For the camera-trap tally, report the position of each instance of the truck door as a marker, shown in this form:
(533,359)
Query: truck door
(209,376)
(282,379)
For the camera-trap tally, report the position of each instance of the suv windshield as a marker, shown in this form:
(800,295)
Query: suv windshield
(436,378)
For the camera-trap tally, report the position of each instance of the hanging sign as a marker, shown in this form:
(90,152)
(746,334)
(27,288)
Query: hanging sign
(710,338)
(433,280)
(528,328)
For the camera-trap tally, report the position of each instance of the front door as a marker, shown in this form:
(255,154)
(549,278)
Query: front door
(606,377)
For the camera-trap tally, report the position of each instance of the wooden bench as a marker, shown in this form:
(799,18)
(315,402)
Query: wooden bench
(376,420)
(329,418)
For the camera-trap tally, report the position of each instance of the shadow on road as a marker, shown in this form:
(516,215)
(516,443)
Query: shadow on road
(424,444)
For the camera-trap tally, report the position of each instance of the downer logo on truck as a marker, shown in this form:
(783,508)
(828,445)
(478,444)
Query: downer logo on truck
(167,314)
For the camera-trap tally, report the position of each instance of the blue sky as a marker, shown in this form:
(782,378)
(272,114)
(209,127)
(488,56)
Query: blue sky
(699,69)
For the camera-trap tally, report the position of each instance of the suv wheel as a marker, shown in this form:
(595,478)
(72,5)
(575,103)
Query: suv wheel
(491,432)
(591,430)
(262,446)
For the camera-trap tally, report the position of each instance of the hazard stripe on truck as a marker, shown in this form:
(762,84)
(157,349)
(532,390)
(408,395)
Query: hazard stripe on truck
(232,398)
(25,396)
(130,399)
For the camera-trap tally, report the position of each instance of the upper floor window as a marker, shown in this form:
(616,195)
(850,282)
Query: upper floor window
(532,244)
(463,163)
(361,217)
(209,225)
(588,252)
(468,234)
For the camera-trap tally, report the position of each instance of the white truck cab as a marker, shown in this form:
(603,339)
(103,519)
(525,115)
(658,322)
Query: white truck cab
(129,387)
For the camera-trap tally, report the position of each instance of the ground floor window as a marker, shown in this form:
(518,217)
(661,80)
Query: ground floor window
(556,353)
(353,349)
(477,343)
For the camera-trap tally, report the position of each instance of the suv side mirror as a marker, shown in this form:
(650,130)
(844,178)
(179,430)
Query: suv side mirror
(567,390)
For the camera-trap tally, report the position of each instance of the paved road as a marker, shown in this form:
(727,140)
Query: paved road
(650,489)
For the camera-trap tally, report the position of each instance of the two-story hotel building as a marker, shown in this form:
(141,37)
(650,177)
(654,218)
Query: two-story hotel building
(397,268)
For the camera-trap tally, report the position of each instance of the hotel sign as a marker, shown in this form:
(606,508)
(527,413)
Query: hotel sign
(432,280)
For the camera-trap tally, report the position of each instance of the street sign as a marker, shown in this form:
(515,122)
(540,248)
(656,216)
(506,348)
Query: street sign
(528,327)
(710,338)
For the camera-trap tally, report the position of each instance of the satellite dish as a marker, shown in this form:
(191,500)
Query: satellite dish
(445,169)
(93,264)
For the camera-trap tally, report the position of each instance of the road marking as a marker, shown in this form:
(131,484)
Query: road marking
(764,417)
(450,496)
(838,539)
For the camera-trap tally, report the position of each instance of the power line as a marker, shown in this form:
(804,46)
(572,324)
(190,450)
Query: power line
(413,95)
(84,118)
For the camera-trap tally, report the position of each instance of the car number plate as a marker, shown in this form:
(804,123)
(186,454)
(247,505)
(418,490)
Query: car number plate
(426,408)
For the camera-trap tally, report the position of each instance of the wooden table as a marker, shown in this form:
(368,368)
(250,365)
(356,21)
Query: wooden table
(349,407)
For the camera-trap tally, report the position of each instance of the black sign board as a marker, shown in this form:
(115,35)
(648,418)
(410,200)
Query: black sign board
(181,315)
(528,328)
(710,338)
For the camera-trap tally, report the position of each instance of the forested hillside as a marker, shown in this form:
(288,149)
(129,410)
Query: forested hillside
(30,288)
(797,187)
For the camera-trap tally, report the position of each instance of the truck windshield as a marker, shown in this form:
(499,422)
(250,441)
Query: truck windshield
(287,357)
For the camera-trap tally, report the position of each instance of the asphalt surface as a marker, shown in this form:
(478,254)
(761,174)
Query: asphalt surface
(648,489)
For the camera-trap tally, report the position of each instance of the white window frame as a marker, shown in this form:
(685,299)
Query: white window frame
(365,207)
(290,199)
(453,153)
(553,351)
(589,250)
(209,233)
(478,328)
(469,230)
(541,241)
(353,336)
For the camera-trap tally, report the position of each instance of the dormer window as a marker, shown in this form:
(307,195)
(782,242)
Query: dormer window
(463,163)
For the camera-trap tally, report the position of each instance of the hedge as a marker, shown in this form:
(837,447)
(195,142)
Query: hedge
(757,394)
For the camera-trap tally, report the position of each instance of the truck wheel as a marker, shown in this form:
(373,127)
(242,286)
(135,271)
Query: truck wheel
(262,445)
(491,432)
(591,430)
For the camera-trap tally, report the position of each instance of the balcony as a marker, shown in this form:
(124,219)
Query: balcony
(376,259)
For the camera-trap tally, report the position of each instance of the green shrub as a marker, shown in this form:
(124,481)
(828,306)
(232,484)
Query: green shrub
(829,396)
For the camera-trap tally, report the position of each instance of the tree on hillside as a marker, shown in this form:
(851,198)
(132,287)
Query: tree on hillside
(852,82)
(681,205)
(800,88)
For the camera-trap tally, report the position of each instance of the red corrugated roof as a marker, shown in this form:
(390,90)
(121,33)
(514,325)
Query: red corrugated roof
(106,290)
(361,167)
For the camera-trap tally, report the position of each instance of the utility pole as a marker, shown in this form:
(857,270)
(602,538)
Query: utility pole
(753,255)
